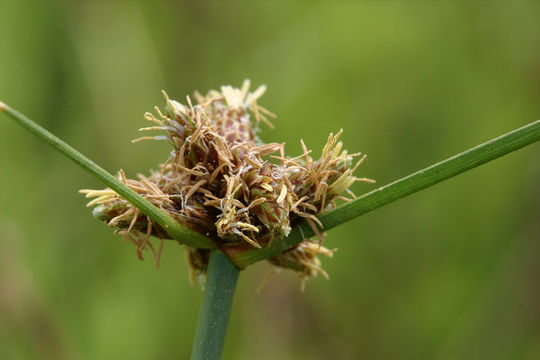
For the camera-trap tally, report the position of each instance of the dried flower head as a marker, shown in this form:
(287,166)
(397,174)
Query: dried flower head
(223,181)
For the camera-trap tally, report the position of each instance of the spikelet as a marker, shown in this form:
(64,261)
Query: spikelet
(224,182)
(304,259)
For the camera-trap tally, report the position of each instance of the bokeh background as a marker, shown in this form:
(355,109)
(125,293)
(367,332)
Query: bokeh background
(452,272)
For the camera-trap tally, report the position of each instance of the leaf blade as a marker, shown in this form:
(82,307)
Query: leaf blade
(171,226)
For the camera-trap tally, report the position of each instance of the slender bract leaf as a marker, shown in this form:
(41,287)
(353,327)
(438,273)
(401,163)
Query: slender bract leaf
(171,226)
(216,307)
(408,185)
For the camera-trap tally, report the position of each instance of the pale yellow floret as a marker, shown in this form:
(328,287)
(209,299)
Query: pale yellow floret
(247,226)
(282,194)
(266,149)
(93,193)
(245,88)
(174,105)
(256,202)
(116,219)
(319,249)
(254,96)
(163,117)
(250,240)
(143,138)
(101,196)
(150,117)
(122,176)
(343,182)
(101,200)
(267,187)
(151,128)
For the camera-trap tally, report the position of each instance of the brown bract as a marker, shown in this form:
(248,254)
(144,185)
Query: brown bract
(224,182)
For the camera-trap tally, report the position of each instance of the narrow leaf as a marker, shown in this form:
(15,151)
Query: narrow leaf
(171,226)
(401,188)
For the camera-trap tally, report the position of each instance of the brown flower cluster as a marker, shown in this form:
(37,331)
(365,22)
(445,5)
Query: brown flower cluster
(223,181)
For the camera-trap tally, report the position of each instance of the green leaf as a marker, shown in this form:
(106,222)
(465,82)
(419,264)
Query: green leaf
(171,226)
(401,188)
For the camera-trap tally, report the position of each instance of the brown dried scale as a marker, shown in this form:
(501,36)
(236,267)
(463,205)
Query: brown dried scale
(224,182)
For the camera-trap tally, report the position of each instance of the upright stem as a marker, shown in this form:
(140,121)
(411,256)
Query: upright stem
(216,307)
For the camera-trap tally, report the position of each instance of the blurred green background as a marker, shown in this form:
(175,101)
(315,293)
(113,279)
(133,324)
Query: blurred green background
(450,273)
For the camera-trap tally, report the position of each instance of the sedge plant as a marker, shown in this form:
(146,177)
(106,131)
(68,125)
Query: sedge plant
(233,200)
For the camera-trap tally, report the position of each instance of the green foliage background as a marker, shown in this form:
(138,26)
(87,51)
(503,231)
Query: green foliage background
(450,273)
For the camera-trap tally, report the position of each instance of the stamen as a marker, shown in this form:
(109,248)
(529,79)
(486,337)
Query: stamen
(282,194)
(194,188)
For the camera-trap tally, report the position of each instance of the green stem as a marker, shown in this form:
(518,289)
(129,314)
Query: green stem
(171,226)
(216,306)
(408,185)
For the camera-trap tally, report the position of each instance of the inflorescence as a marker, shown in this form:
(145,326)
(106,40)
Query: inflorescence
(224,182)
